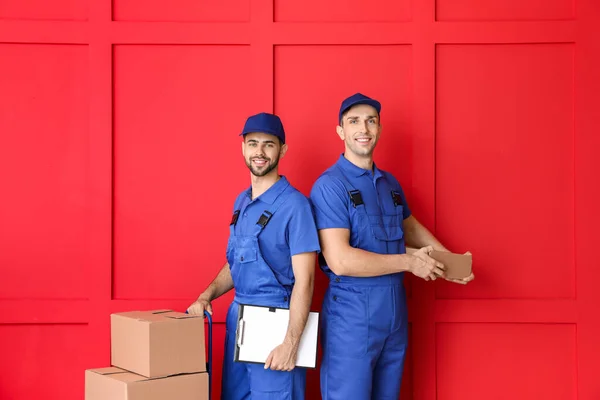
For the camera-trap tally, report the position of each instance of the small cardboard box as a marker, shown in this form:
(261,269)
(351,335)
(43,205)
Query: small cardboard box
(157,343)
(116,384)
(458,266)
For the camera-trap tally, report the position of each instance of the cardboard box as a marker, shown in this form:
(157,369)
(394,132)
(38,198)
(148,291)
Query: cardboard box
(458,266)
(116,384)
(157,343)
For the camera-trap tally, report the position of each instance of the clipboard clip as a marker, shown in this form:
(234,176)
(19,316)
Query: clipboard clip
(240,332)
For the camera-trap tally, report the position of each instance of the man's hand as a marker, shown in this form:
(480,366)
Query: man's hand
(424,266)
(463,281)
(198,307)
(282,357)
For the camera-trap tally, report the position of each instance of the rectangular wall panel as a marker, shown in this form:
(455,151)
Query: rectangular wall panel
(48,359)
(176,130)
(43,155)
(506,361)
(58,10)
(342,11)
(504,167)
(182,10)
(505,10)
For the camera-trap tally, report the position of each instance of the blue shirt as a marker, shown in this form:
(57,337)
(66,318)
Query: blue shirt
(374,226)
(290,231)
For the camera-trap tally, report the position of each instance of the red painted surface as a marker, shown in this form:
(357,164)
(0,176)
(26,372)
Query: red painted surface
(120,162)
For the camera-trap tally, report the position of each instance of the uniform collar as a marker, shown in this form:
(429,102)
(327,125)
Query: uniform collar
(273,192)
(354,170)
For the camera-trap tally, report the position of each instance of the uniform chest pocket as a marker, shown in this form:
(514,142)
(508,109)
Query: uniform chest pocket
(245,255)
(388,228)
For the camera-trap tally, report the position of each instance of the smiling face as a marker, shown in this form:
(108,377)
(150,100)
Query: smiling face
(360,130)
(262,153)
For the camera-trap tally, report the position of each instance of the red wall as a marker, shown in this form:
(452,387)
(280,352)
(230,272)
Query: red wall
(120,161)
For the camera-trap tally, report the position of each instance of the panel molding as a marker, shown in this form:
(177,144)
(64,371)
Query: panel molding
(281,33)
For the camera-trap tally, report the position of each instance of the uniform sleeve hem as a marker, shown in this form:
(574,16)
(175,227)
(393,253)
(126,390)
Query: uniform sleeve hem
(308,250)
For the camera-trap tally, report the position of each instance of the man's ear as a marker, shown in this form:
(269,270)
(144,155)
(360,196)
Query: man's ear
(340,132)
(283,150)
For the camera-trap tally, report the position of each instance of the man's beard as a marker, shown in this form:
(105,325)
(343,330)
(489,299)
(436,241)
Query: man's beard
(264,172)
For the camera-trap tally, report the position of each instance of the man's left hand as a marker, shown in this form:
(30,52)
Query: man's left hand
(282,358)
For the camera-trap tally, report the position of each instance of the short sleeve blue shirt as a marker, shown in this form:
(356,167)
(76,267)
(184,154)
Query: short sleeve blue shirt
(290,231)
(376,224)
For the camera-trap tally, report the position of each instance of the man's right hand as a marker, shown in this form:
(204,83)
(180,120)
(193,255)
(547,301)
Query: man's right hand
(424,266)
(198,307)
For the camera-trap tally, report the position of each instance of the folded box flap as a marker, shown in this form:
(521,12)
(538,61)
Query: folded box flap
(154,315)
(168,316)
(107,370)
(119,374)
(178,315)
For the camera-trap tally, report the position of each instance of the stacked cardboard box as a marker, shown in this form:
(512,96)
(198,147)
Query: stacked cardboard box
(155,355)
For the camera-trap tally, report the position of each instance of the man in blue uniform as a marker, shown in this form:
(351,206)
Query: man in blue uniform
(364,223)
(271,256)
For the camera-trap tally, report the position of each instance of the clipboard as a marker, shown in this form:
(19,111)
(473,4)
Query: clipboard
(260,329)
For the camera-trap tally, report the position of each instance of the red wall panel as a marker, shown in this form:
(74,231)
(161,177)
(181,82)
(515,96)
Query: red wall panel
(507,10)
(57,10)
(342,10)
(519,364)
(38,359)
(504,159)
(183,10)
(175,125)
(43,153)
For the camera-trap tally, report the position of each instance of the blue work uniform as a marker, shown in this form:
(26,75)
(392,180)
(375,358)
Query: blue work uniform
(364,319)
(264,235)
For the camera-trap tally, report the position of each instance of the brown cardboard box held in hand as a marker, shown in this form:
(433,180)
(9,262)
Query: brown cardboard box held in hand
(458,266)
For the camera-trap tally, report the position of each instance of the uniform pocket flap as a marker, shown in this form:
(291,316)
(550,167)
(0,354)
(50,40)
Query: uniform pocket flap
(245,254)
(387,228)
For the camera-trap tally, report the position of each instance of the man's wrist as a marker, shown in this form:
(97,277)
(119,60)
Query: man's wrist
(205,296)
(291,340)
(406,262)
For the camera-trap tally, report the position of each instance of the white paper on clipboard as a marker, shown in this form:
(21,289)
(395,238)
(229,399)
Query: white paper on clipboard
(261,329)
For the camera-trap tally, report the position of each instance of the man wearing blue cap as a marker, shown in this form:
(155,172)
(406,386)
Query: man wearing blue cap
(271,255)
(364,222)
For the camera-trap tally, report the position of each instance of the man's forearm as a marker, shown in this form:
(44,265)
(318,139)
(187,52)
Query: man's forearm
(363,263)
(220,285)
(416,235)
(345,260)
(299,309)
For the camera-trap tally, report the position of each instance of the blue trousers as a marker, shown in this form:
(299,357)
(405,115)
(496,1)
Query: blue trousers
(364,339)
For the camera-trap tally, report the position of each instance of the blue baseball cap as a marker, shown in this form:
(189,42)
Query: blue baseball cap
(356,99)
(265,123)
